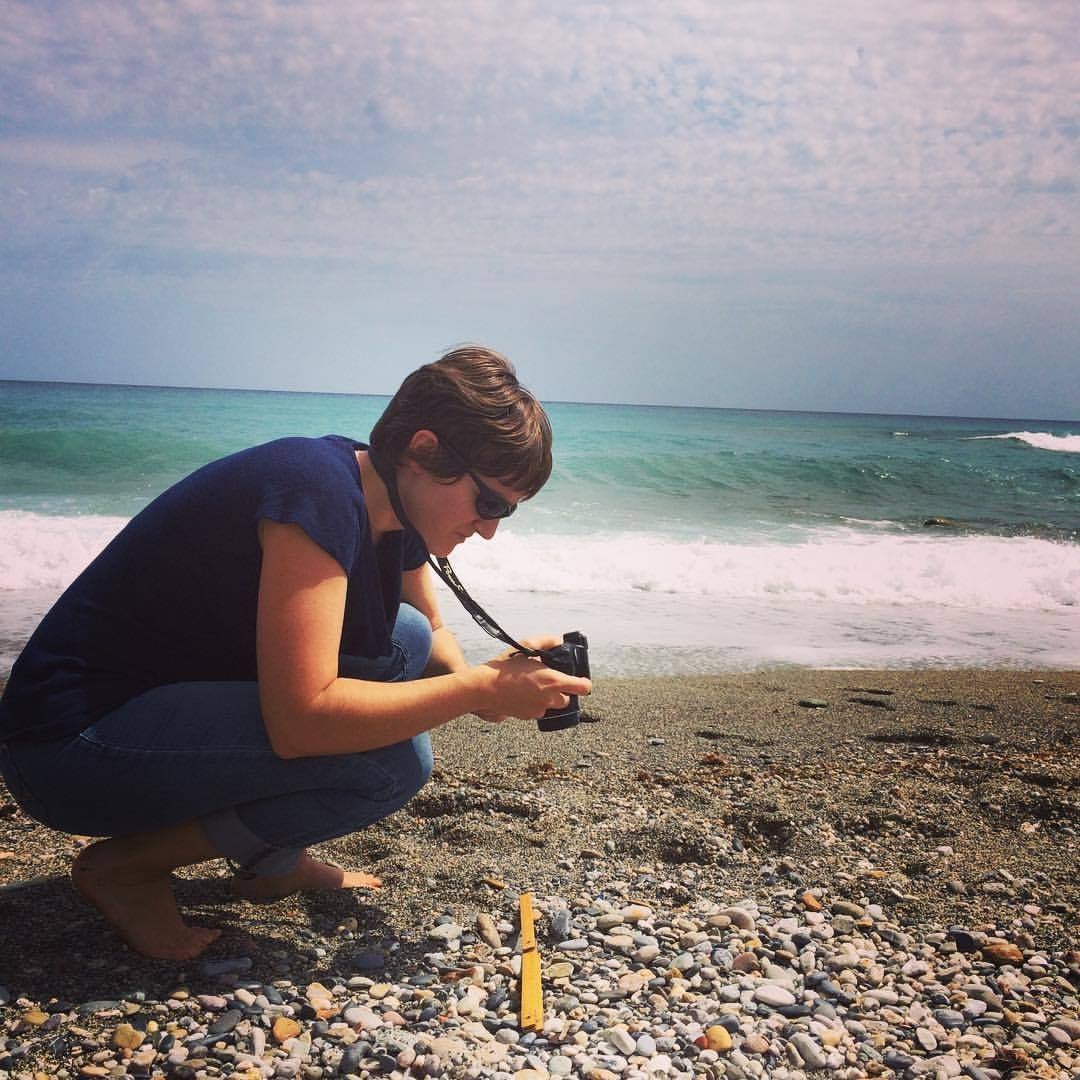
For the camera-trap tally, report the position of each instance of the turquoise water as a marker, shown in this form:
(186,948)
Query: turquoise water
(691,539)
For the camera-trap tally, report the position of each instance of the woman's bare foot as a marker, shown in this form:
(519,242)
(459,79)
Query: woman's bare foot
(138,901)
(310,875)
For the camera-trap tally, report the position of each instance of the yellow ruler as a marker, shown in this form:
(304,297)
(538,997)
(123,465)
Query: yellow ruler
(532,996)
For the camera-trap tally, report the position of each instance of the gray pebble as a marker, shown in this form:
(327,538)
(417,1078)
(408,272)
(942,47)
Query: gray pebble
(774,995)
(225,1022)
(813,1056)
(560,925)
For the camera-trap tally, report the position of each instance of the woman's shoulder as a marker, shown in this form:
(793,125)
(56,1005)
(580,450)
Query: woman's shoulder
(298,458)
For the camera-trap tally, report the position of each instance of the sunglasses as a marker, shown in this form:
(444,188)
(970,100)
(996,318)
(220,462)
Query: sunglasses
(489,504)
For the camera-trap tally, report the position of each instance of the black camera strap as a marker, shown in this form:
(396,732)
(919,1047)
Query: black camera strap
(442,567)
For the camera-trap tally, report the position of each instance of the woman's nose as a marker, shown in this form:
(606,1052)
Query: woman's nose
(486,527)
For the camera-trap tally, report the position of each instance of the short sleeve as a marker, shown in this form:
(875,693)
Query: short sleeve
(310,493)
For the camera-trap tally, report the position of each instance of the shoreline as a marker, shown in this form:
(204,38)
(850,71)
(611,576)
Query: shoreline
(933,798)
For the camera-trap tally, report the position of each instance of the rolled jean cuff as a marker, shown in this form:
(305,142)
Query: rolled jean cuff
(235,841)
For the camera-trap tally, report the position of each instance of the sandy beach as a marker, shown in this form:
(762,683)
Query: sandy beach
(937,801)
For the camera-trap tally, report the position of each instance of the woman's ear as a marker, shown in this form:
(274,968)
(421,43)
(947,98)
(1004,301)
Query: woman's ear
(421,446)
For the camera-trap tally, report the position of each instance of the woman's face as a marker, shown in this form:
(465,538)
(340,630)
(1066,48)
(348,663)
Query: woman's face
(444,512)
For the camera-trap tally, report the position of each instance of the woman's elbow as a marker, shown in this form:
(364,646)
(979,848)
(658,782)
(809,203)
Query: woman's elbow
(281,734)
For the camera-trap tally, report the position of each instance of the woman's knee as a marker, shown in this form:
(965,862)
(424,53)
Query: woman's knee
(410,764)
(412,635)
(419,764)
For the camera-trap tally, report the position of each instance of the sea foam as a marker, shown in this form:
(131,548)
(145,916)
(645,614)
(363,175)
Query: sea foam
(844,565)
(1041,440)
(43,551)
(652,604)
(835,565)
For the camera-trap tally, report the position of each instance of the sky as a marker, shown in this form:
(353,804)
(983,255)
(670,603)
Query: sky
(842,205)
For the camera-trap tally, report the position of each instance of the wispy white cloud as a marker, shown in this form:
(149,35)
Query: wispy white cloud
(89,156)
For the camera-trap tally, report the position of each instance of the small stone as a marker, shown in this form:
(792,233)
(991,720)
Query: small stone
(560,925)
(646,1045)
(561,970)
(225,1022)
(573,945)
(843,907)
(35,1017)
(127,1038)
(351,1059)
(362,1016)
(746,962)
(812,1055)
(609,921)
(926,1039)
(964,942)
(739,917)
(755,1044)
(1002,952)
(622,1040)
(813,703)
(774,995)
(447,932)
(718,1038)
(285,1027)
(633,981)
(485,927)
(810,901)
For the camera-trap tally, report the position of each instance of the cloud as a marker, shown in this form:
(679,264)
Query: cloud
(97,156)
(606,137)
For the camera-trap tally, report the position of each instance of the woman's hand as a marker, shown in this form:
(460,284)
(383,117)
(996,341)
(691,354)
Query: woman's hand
(524,687)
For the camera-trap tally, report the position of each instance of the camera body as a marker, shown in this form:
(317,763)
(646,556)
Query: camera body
(571,658)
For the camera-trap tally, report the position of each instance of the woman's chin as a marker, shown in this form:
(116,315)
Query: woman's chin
(444,549)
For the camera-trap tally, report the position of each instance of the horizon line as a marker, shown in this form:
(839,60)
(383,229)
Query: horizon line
(551,401)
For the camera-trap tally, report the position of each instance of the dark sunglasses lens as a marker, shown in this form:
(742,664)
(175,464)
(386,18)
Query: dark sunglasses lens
(490,505)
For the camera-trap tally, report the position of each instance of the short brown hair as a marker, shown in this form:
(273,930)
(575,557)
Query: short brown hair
(472,398)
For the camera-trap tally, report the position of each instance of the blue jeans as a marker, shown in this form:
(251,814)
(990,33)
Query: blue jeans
(199,752)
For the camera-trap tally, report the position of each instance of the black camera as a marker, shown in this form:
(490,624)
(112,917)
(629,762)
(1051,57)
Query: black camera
(571,658)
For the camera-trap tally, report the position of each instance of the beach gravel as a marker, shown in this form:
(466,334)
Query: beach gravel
(729,883)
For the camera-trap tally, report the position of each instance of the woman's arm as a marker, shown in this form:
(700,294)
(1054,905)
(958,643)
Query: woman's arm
(308,710)
(418,589)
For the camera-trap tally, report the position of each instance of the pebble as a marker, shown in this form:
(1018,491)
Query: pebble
(488,931)
(622,1040)
(560,925)
(813,1057)
(446,932)
(774,995)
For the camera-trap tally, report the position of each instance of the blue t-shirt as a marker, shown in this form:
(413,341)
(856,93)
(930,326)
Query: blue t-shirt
(173,597)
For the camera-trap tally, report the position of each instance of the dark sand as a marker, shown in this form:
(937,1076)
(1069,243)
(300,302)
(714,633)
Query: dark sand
(748,791)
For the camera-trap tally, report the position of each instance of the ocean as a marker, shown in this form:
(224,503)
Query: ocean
(680,540)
